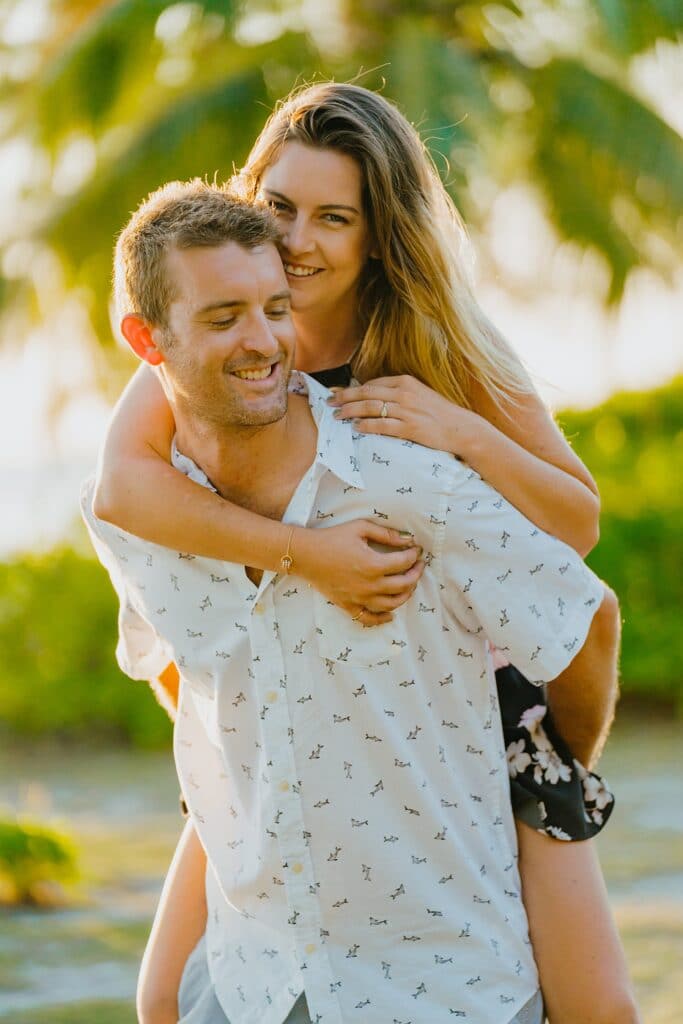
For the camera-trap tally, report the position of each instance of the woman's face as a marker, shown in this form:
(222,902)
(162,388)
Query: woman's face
(316,194)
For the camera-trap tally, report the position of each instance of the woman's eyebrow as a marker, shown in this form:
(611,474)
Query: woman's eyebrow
(323,206)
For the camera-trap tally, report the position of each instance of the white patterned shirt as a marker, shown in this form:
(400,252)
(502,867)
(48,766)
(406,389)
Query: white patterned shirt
(350,785)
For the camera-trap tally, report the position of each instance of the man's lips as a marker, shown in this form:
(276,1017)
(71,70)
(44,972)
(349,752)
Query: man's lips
(256,374)
(253,374)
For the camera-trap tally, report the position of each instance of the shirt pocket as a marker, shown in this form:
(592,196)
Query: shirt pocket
(341,639)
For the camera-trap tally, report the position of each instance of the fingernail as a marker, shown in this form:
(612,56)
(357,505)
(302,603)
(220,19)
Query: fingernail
(338,414)
(406,533)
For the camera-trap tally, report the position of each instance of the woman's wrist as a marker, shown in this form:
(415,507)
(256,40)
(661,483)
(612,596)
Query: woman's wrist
(303,552)
(468,434)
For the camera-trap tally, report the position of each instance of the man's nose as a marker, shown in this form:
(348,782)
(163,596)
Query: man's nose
(297,236)
(259,337)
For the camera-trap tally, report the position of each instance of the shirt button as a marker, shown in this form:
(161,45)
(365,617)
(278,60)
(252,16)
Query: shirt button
(310,948)
(284,787)
(271,696)
(297,868)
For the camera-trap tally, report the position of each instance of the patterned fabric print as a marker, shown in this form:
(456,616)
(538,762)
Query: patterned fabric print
(550,791)
(350,785)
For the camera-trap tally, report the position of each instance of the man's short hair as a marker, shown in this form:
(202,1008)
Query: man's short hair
(181,215)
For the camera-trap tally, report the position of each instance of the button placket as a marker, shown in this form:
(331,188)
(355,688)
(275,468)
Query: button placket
(297,873)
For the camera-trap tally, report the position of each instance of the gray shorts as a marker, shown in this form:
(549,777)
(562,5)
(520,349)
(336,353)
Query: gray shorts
(197,1003)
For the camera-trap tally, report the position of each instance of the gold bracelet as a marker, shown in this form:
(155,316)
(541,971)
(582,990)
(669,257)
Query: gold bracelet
(286,562)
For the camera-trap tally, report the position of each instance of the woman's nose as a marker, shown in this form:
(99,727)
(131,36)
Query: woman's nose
(297,236)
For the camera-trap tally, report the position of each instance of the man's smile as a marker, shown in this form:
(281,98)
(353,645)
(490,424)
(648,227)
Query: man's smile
(254,374)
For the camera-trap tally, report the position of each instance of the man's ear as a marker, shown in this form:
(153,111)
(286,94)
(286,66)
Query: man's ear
(139,336)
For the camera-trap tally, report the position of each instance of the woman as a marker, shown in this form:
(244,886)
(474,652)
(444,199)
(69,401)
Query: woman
(373,251)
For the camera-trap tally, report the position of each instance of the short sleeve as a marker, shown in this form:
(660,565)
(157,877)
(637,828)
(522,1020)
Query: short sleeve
(531,595)
(140,651)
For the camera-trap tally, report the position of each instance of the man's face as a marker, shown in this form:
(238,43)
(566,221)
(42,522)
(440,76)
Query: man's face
(231,349)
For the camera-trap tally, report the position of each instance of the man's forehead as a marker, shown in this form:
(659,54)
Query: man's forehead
(229,267)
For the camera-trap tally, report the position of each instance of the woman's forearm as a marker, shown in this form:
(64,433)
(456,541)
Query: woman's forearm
(148,497)
(550,497)
(151,499)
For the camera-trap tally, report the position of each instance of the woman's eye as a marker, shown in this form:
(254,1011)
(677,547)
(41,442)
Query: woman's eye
(278,206)
(222,324)
(279,312)
(335,218)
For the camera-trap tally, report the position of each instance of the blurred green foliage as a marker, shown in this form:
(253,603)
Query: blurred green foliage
(58,675)
(116,97)
(32,859)
(633,445)
(58,611)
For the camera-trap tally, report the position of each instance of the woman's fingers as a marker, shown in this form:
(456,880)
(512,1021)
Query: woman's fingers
(400,583)
(389,602)
(382,386)
(392,565)
(387,536)
(370,616)
(368,408)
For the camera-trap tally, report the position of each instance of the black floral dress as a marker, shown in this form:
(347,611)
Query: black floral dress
(550,791)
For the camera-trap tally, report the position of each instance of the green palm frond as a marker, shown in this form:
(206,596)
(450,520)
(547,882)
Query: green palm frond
(610,169)
(632,26)
(111,58)
(595,143)
(444,90)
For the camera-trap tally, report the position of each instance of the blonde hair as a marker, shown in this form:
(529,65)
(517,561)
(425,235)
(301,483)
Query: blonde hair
(418,310)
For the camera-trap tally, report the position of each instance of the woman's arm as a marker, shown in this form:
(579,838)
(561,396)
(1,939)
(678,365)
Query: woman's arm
(515,445)
(179,923)
(141,492)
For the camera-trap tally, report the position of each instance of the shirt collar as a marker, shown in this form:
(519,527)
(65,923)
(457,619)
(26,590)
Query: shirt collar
(336,439)
(336,448)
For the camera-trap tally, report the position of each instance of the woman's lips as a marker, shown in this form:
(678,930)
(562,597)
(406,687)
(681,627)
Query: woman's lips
(300,271)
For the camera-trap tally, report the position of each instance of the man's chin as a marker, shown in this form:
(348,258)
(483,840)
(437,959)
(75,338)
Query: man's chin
(250,415)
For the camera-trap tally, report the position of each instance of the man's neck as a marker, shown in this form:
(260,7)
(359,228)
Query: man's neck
(328,339)
(255,467)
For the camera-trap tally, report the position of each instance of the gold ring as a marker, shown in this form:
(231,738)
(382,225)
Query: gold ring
(356,618)
(384,411)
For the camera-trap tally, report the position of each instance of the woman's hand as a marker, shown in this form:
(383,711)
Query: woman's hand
(404,407)
(342,563)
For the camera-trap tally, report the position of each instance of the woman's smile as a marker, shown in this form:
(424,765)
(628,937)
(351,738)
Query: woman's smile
(316,195)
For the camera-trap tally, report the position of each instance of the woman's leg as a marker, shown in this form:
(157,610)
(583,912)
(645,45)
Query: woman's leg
(584,977)
(179,923)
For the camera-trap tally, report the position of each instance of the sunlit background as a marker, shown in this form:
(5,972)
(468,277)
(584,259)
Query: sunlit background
(557,126)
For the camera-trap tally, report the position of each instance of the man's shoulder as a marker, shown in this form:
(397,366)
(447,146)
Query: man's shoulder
(424,468)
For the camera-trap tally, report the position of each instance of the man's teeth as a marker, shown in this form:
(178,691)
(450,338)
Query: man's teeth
(254,374)
(291,268)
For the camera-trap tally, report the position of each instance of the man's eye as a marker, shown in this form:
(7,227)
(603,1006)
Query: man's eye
(280,311)
(278,206)
(222,324)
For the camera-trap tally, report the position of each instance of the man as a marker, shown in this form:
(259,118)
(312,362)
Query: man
(348,785)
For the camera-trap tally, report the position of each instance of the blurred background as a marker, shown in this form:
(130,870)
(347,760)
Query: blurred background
(556,125)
